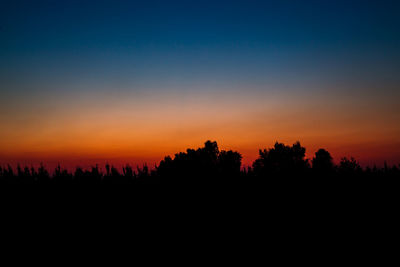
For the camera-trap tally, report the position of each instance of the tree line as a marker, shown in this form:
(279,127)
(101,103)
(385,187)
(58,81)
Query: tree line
(208,165)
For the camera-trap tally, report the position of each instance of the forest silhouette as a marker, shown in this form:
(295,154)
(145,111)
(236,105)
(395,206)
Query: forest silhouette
(209,166)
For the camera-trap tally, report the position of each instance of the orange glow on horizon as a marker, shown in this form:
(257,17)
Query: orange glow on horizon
(143,129)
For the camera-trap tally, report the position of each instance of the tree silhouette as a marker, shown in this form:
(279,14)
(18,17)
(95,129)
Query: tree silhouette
(201,165)
(349,167)
(322,163)
(281,160)
(229,163)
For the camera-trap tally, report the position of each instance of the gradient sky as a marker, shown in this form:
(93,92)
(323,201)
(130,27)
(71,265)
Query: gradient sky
(131,81)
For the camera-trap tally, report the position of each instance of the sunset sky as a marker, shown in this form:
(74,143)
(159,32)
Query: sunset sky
(85,82)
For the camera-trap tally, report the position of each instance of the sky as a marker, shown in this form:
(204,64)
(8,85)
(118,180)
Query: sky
(85,82)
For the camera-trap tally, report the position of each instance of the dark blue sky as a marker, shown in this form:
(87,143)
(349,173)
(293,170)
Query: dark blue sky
(195,44)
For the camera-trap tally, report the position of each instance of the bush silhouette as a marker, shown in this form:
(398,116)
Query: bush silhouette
(348,167)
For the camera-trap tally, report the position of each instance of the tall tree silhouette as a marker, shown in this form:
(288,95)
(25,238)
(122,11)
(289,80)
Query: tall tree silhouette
(322,163)
(281,160)
(200,165)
